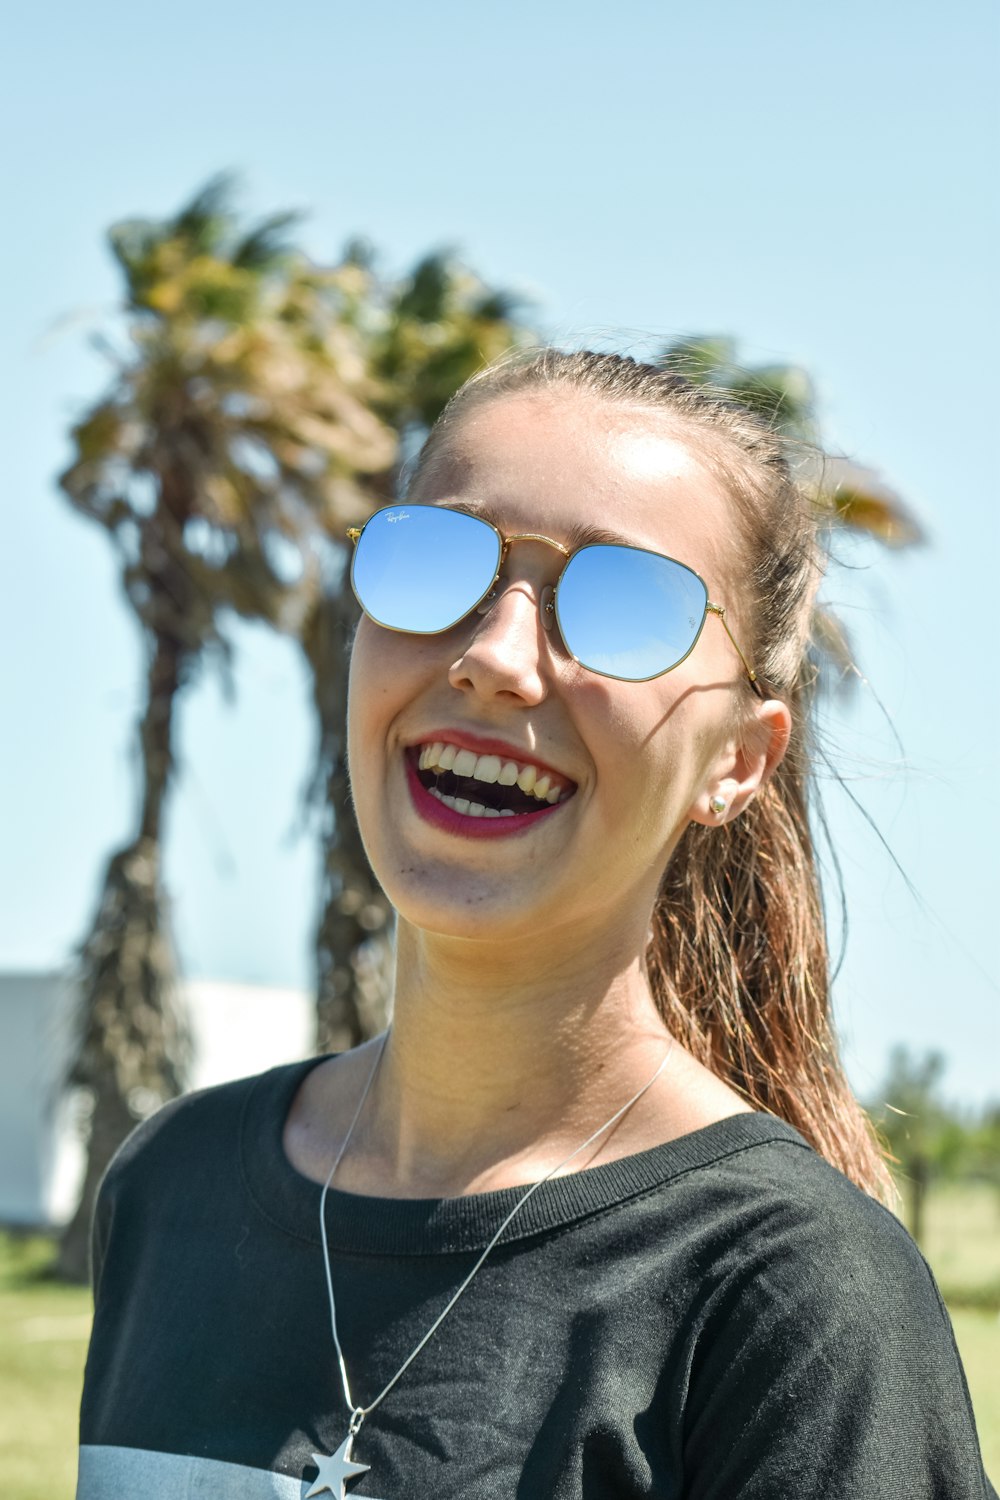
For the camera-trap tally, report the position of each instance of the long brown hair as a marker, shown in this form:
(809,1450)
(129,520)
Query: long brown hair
(738,959)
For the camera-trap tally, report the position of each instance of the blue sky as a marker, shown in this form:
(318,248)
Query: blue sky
(815,181)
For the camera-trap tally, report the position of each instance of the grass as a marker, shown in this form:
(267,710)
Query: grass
(44,1329)
(43,1344)
(962,1242)
(978,1337)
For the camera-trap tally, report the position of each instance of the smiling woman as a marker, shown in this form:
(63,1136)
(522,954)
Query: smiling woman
(599,1215)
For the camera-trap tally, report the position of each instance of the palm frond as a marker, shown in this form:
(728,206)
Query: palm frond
(424,296)
(268,244)
(700,358)
(207,219)
(860,499)
(497,306)
(781,395)
(359,252)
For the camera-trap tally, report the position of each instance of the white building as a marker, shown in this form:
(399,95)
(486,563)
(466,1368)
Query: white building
(238,1029)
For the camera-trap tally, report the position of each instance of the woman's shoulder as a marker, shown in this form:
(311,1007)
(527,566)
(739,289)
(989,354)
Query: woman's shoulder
(775,1189)
(765,1184)
(779,1238)
(820,1358)
(199,1123)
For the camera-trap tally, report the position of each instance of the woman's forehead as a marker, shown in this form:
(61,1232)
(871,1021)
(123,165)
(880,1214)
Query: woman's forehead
(580,463)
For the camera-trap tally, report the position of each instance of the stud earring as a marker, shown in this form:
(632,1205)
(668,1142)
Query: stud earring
(717,804)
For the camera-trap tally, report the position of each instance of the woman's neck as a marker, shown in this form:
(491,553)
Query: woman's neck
(498,1062)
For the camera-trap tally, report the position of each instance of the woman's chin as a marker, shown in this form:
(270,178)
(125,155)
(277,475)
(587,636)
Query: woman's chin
(462,905)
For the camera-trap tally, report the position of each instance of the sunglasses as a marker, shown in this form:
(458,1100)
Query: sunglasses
(623,612)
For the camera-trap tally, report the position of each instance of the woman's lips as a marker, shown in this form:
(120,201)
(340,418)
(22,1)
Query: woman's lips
(434,811)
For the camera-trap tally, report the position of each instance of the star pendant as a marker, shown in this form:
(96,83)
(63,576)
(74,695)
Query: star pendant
(335,1471)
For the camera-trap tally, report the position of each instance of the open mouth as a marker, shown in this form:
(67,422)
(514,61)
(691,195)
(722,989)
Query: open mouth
(486,786)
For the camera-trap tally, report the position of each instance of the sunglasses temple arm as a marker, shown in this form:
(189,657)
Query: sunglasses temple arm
(717,609)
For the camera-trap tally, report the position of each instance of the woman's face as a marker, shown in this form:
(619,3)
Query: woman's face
(631,762)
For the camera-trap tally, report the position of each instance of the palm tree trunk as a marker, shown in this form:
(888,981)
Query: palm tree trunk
(156,731)
(919,1181)
(110,1122)
(133,1043)
(354,937)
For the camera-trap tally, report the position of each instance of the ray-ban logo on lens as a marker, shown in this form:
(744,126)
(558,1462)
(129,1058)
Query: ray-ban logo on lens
(398,515)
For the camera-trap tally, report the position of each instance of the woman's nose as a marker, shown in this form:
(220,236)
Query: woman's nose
(506,646)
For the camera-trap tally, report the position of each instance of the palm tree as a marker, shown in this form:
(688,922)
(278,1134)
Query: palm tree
(239,416)
(423,335)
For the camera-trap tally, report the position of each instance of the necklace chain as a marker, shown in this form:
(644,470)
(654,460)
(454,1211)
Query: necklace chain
(360,1413)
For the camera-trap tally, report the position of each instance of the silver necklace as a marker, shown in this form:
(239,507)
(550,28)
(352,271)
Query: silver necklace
(336,1469)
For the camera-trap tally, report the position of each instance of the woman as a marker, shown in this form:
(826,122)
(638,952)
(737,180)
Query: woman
(599,1212)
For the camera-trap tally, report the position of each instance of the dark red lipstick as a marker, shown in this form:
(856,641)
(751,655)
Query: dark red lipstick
(434,811)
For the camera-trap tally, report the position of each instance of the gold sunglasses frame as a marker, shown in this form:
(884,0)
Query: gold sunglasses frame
(551,606)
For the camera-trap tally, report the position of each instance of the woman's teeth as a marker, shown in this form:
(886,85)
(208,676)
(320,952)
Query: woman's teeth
(492,770)
(472,809)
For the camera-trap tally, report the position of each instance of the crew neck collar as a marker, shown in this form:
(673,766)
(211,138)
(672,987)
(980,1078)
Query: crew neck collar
(359,1224)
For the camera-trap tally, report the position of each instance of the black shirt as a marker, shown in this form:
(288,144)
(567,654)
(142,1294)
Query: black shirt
(722,1316)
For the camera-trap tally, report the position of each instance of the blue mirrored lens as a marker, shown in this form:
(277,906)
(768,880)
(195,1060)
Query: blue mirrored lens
(422,568)
(629,613)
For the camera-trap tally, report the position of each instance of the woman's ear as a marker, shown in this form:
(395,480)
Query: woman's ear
(744,764)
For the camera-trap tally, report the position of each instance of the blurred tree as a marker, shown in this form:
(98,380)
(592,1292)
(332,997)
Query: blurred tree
(423,335)
(239,418)
(925,1138)
(984,1147)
